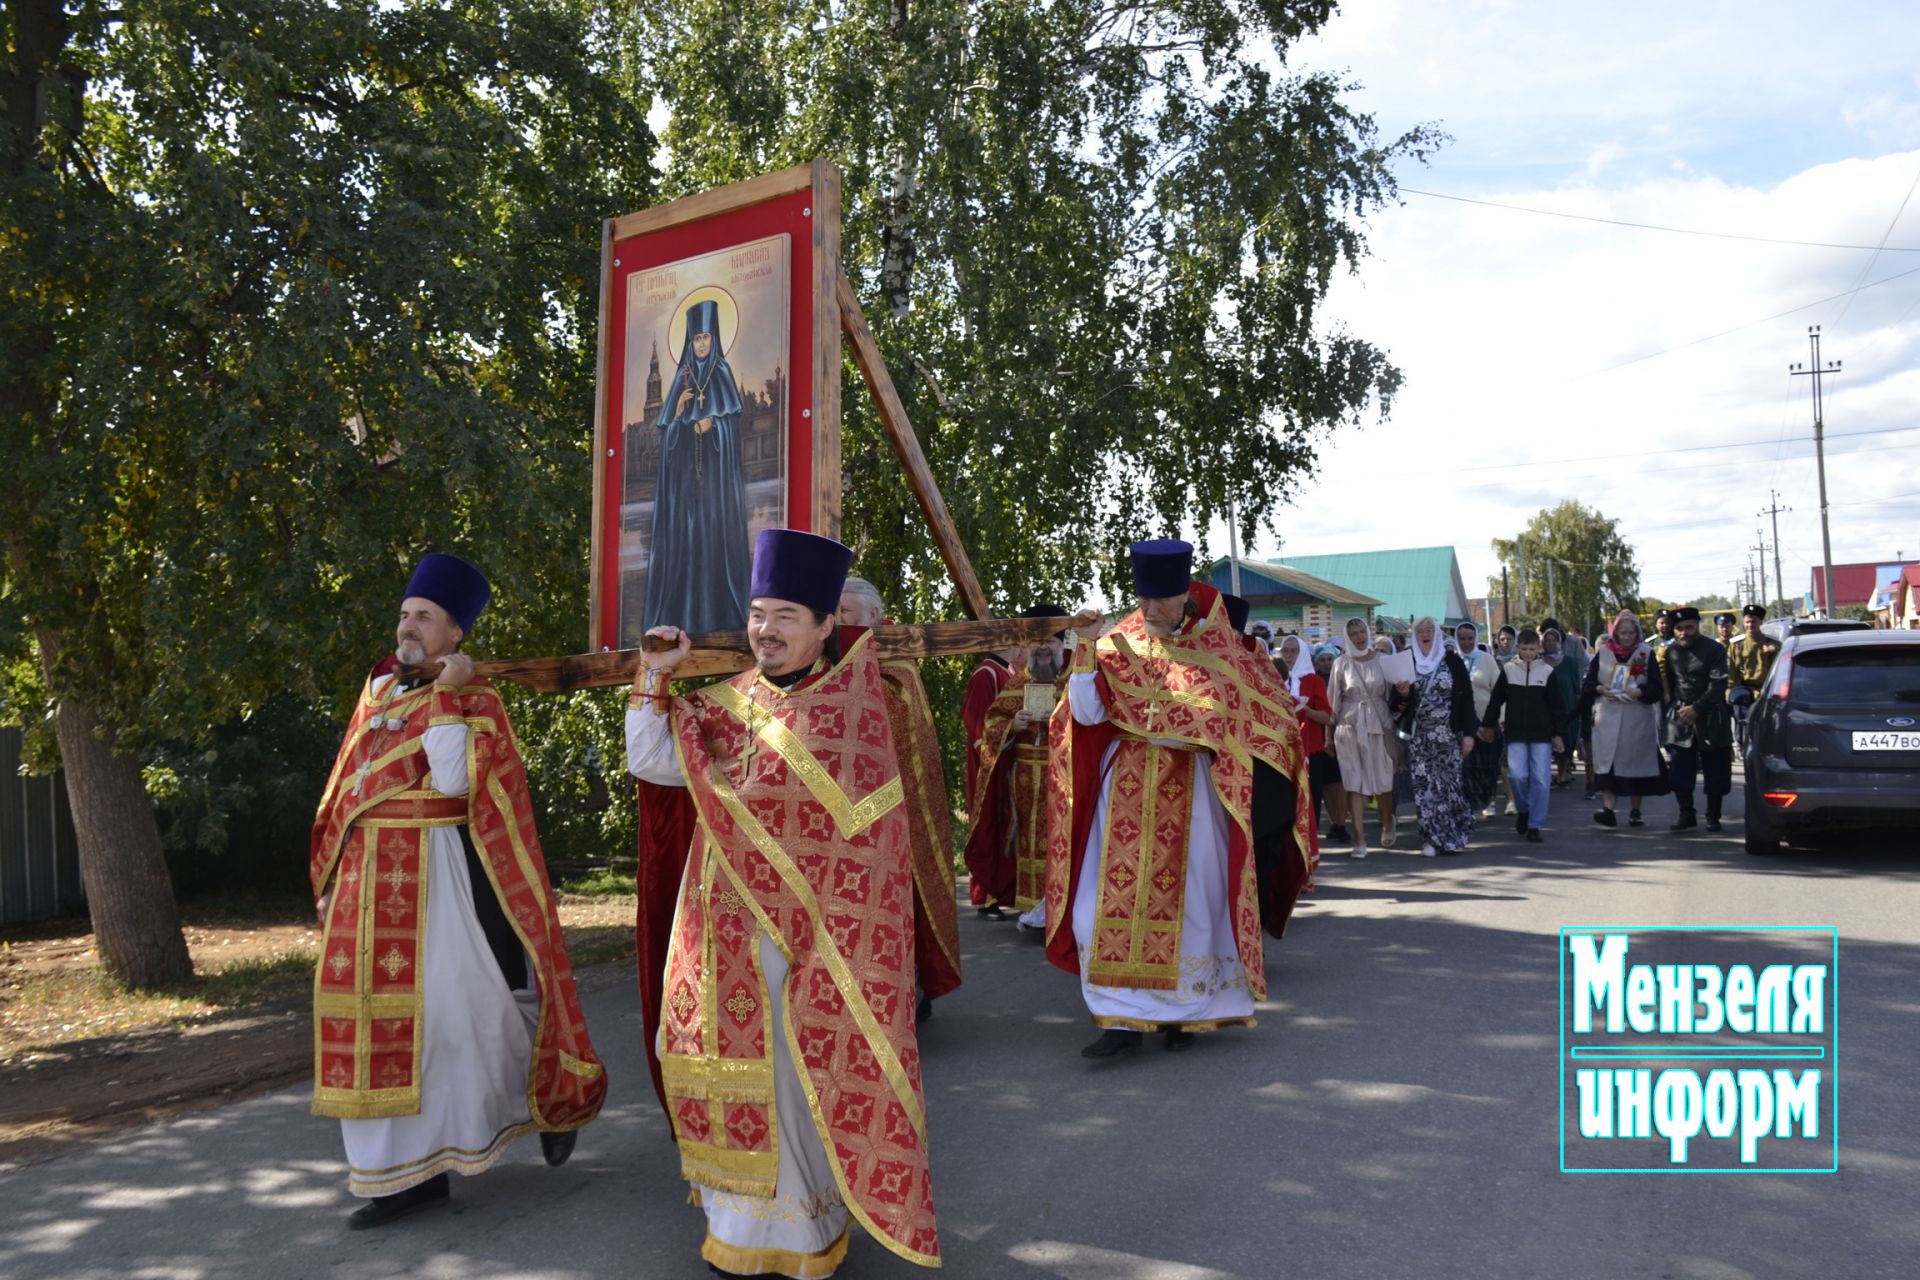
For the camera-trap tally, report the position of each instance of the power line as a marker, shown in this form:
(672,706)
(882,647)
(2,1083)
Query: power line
(1883,247)
(1691,448)
(1778,315)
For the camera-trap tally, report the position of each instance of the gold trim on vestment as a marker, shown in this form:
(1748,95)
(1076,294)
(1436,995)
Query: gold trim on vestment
(782,1262)
(465,1161)
(829,952)
(908,756)
(852,818)
(1173,1024)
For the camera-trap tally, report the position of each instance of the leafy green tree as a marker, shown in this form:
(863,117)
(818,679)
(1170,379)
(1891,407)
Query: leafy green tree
(1572,561)
(1093,238)
(290,292)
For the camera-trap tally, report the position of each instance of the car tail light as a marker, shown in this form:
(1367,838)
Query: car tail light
(1782,677)
(1780,799)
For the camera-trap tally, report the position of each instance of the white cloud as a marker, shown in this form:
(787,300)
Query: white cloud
(1521,335)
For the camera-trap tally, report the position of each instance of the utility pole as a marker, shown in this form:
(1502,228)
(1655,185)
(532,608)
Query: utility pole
(1818,372)
(1774,509)
(1761,551)
(1552,610)
(1233,550)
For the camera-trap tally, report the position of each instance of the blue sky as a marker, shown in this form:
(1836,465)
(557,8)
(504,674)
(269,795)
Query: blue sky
(1522,337)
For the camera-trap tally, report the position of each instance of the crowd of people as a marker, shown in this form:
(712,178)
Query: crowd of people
(1487,721)
(1155,813)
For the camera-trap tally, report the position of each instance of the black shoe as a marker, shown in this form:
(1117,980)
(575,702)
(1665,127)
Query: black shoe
(1337,834)
(1713,824)
(1112,1042)
(556,1147)
(1634,819)
(1179,1041)
(1520,822)
(1606,819)
(923,1011)
(381,1210)
(1533,835)
(993,913)
(1685,822)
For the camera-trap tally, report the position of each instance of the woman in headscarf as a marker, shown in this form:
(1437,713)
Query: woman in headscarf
(1357,696)
(1480,775)
(1441,698)
(1290,660)
(1624,690)
(1309,687)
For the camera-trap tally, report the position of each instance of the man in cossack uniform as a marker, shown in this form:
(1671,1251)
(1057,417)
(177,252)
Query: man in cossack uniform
(1699,726)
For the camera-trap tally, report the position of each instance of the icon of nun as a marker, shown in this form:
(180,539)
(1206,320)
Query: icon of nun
(697,561)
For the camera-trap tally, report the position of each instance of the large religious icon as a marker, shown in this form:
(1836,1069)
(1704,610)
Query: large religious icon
(719,406)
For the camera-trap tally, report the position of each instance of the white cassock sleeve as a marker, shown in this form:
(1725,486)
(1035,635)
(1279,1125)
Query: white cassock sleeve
(446,748)
(650,754)
(1083,695)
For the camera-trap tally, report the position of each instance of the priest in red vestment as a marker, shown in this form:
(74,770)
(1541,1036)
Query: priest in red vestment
(1153,888)
(785,1033)
(987,682)
(446,1022)
(923,779)
(1007,767)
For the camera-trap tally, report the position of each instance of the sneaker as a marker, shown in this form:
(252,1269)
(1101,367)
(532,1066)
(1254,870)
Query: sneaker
(1428,851)
(1533,835)
(1519,822)
(1360,851)
(1605,818)
(1635,820)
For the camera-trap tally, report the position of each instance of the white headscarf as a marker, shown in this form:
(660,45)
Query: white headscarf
(1358,652)
(1426,660)
(1302,663)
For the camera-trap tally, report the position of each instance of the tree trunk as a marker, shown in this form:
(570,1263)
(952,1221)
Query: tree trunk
(136,926)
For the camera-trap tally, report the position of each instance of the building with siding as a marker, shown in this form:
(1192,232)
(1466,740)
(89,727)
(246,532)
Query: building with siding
(1287,599)
(1409,583)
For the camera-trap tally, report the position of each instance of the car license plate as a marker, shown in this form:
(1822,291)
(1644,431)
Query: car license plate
(1889,740)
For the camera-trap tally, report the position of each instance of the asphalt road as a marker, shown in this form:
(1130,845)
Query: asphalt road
(1395,1113)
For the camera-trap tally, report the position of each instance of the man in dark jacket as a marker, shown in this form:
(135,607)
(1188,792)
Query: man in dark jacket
(1536,710)
(1699,729)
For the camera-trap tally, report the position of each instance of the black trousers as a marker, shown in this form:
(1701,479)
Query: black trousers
(1715,767)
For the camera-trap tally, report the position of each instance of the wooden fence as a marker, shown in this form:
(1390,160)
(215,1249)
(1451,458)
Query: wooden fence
(39,858)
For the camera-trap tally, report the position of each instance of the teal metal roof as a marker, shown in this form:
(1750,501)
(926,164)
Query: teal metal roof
(1409,583)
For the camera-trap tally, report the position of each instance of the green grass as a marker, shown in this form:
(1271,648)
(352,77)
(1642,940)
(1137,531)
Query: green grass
(601,884)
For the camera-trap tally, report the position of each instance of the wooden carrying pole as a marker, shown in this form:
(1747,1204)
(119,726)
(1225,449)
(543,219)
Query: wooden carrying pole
(724,652)
(893,416)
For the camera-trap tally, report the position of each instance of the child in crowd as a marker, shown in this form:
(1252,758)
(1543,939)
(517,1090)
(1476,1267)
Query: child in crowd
(1535,711)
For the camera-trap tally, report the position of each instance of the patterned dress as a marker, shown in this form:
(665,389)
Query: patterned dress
(1433,754)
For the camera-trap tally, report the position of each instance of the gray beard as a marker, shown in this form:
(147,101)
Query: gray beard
(411,652)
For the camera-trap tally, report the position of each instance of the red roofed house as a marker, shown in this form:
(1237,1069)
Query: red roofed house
(1903,602)
(1856,583)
